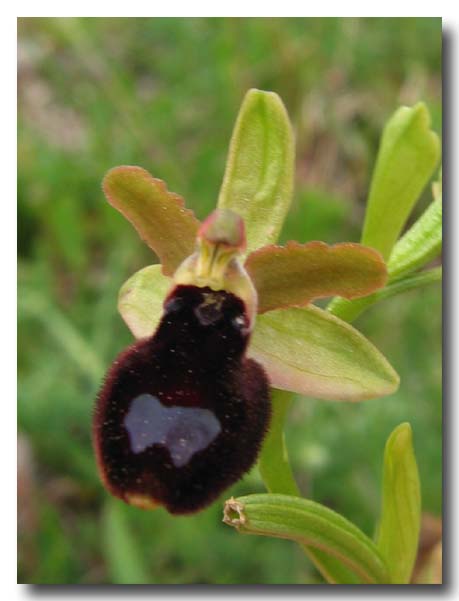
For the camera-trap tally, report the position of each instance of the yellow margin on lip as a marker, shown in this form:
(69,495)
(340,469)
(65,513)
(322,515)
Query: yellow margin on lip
(141,501)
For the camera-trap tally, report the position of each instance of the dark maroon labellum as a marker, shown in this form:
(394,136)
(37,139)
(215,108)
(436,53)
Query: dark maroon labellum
(182,414)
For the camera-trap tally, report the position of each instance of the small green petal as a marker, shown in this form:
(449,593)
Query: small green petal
(407,157)
(258,181)
(398,533)
(159,216)
(310,352)
(296,274)
(141,298)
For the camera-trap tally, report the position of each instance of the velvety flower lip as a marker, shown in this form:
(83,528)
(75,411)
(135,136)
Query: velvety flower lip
(182,414)
(258,186)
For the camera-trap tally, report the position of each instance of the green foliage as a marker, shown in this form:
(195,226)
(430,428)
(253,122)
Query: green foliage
(125,561)
(421,243)
(350,310)
(340,550)
(162,93)
(310,524)
(408,155)
(398,531)
(416,248)
(277,476)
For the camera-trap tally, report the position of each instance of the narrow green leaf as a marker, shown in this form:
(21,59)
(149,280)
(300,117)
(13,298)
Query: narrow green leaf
(258,181)
(140,300)
(398,532)
(350,310)
(159,216)
(296,274)
(421,243)
(310,524)
(313,353)
(124,557)
(407,157)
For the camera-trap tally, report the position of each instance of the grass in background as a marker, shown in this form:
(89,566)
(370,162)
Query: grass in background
(163,94)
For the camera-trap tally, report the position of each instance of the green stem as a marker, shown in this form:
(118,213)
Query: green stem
(350,310)
(273,463)
(277,476)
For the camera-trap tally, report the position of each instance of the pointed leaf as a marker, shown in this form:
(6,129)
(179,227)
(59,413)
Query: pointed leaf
(159,216)
(398,533)
(408,154)
(350,310)
(313,353)
(258,179)
(310,524)
(421,243)
(140,300)
(296,274)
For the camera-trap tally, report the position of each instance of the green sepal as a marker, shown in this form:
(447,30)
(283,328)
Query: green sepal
(258,180)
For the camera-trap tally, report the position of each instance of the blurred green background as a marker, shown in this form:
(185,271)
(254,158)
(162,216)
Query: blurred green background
(163,94)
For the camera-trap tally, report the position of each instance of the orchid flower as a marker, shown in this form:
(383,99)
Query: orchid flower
(303,348)
(184,411)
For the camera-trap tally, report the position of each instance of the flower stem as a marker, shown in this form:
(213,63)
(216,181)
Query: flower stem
(273,463)
(277,476)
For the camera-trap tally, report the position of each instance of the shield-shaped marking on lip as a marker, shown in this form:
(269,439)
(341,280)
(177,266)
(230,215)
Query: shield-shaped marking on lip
(184,431)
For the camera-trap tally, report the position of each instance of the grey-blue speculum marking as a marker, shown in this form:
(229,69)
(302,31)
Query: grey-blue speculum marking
(183,431)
